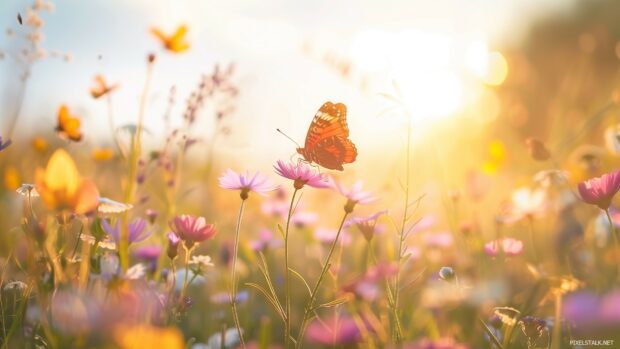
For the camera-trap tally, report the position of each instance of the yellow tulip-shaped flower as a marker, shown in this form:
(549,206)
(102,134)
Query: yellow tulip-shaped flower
(62,188)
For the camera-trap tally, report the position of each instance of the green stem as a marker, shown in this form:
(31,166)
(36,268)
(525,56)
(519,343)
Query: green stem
(310,305)
(614,237)
(233,277)
(287,289)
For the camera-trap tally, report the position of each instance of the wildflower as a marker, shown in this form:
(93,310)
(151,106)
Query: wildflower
(328,236)
(193,229)
(15,285)
(4,145)
(147,336)
(135,272)
(27,189)
(538,150)
(101,88)
(102,154)
(68,125)
(110,206)
(151,215)
(600,191)
(246,183)
(301,174)
(201,261)
(11,178)
(62,188)
(174,43)
(109,265)
(173,245)
(367,225)
(303,218)
(149,253)
(589,311)
(525,203)
(354,196)
(230,337)
(509,246)
(265,240)
(136,230)
(336,330)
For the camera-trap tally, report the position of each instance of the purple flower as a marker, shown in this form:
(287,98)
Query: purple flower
(600,190)
(246,183)
(301,174)
(5,144)
(136,230)
(151,215)
(355,194)
(148,253)
(366,225)
(588,311)
(193,229)
(173,245)
(335,330)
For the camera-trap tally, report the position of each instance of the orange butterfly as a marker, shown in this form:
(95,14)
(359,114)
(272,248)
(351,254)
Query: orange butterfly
(176,42)
(101,88)
(327,141)
(68,125)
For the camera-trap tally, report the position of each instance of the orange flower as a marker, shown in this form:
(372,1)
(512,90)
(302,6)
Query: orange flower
(62,188)
(145,336)
(102,154)
(68,125)
(101,88)
(11,178)
(40,144)
(174,43)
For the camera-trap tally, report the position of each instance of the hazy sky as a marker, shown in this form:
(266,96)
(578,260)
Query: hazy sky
(281,84)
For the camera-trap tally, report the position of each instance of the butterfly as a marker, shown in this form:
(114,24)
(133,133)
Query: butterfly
(101,88)
(68,125)
(327,142)
(175,42)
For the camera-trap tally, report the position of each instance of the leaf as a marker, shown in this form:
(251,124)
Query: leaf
(302,279)
(275,305)
(334,303)
(265,271)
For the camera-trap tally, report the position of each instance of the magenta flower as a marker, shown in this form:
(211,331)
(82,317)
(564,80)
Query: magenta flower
(301,174)
(136,230)
(4,145)
(192,229)
(366,225)
(334,331)
(509,246)
(600,190)
(246,183)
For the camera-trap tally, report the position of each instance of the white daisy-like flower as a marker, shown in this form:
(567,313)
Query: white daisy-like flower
(135,272)
(110,206)
(27,189)
(15,285)
(201,261)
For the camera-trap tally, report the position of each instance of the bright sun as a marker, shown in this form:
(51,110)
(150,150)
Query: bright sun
(438,75)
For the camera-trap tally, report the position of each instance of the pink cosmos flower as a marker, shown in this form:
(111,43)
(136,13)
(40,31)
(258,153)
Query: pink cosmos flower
(173,245)
(355,194)
(192,229)
(525,203)
(246,183)
(301,174)
(366,225)
(600,190)
(334,331)
(327,236)
(509,246)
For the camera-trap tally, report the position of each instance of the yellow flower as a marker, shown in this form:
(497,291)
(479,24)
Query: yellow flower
(11,178)
(62,188)
(40,144)
(102,154)
(174,43)
(145,336)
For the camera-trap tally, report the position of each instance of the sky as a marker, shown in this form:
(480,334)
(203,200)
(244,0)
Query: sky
(433,48)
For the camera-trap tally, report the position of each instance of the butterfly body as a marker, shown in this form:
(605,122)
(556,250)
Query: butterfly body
(327,142)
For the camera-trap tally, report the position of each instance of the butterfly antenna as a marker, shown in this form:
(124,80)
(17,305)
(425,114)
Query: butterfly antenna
(287,136)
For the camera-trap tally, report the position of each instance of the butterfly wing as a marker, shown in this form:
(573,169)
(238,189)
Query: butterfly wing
(327,141)
(177,42)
